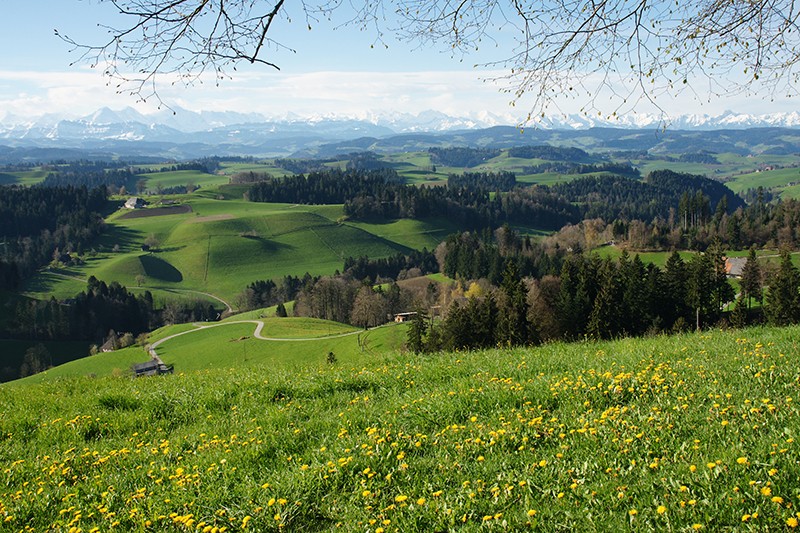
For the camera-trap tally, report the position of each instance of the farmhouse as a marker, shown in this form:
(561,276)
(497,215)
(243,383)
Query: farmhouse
(134,202)
(404,317)
(734,266)
(152,368)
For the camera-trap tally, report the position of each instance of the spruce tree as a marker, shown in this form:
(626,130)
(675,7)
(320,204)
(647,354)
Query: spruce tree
(751,279)
(783,295)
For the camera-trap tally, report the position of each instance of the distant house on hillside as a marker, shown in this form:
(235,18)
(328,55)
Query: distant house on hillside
(152,368)
(404,317)
(134,202)
(734,266)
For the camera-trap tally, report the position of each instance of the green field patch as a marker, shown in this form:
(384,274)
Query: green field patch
(233,345)
(415,234)
(157,212)
(46,284)
(265,168)
(29,177)
(180,178)
(779,178)
(159,269)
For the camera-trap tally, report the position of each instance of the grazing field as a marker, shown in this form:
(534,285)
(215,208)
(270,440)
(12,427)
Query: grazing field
(24,177)
(784,182)
(292,343)
(179,178)
(220,246)
(691,432)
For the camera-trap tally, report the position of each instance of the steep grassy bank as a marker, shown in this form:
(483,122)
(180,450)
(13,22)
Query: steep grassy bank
(673,433)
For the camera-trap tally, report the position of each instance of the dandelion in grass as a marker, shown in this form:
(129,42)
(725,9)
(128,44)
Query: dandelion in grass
(661,509)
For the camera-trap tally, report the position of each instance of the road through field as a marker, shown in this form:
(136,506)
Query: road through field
(256,334)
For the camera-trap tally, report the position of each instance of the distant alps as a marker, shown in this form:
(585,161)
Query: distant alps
(181,134)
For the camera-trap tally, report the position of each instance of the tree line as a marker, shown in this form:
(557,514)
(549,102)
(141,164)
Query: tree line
(101,307)
(604,298)
(38,223)
(472,200)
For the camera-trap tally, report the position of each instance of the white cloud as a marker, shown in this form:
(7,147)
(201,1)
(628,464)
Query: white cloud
(274,94)
(81,91)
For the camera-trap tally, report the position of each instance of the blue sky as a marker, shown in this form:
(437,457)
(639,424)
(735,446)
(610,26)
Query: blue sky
(332,72)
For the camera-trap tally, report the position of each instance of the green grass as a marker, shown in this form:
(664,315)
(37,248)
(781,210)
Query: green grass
(267,168)
(28,177)
(227,344)
(182,177)
(223,245)
(669,433)
(783,181)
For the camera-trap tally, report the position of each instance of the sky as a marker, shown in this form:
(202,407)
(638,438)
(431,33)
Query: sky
(331,72)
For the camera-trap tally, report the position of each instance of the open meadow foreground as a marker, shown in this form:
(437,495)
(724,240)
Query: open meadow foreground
(674,433)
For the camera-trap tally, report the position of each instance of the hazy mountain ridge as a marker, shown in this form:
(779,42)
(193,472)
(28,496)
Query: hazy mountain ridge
(184,134)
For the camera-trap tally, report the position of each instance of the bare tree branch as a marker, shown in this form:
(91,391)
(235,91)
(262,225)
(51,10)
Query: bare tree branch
(633,50)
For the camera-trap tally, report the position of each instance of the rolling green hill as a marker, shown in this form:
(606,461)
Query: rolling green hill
(222,245)
(682,433)
(285,343)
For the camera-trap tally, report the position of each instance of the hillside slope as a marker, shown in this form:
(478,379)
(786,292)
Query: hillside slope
(687,432)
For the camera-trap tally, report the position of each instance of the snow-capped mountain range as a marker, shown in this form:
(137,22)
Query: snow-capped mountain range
(211,132)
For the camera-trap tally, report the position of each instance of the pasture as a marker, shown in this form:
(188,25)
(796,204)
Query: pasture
(223,245)
(695,432)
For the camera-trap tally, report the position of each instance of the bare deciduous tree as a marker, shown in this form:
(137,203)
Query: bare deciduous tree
(628,49)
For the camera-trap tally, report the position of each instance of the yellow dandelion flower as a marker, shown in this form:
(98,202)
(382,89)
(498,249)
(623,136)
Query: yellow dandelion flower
(400,498)
(792,522)
(711,465)
(745,517)
(697,527)
(766,491)
(421,501)
(633,512)
(692,469)
(777,499)
(742,460)
(531,512)
(661,509)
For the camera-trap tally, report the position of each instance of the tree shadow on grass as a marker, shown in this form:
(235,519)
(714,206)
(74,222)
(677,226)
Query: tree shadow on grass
(156,268)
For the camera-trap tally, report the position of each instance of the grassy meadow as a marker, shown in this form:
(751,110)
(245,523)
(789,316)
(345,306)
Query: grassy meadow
(222,245)
(286,343)
(682,433)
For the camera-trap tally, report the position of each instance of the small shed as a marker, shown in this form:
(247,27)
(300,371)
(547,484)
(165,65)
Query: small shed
(152,368)
(134,202)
